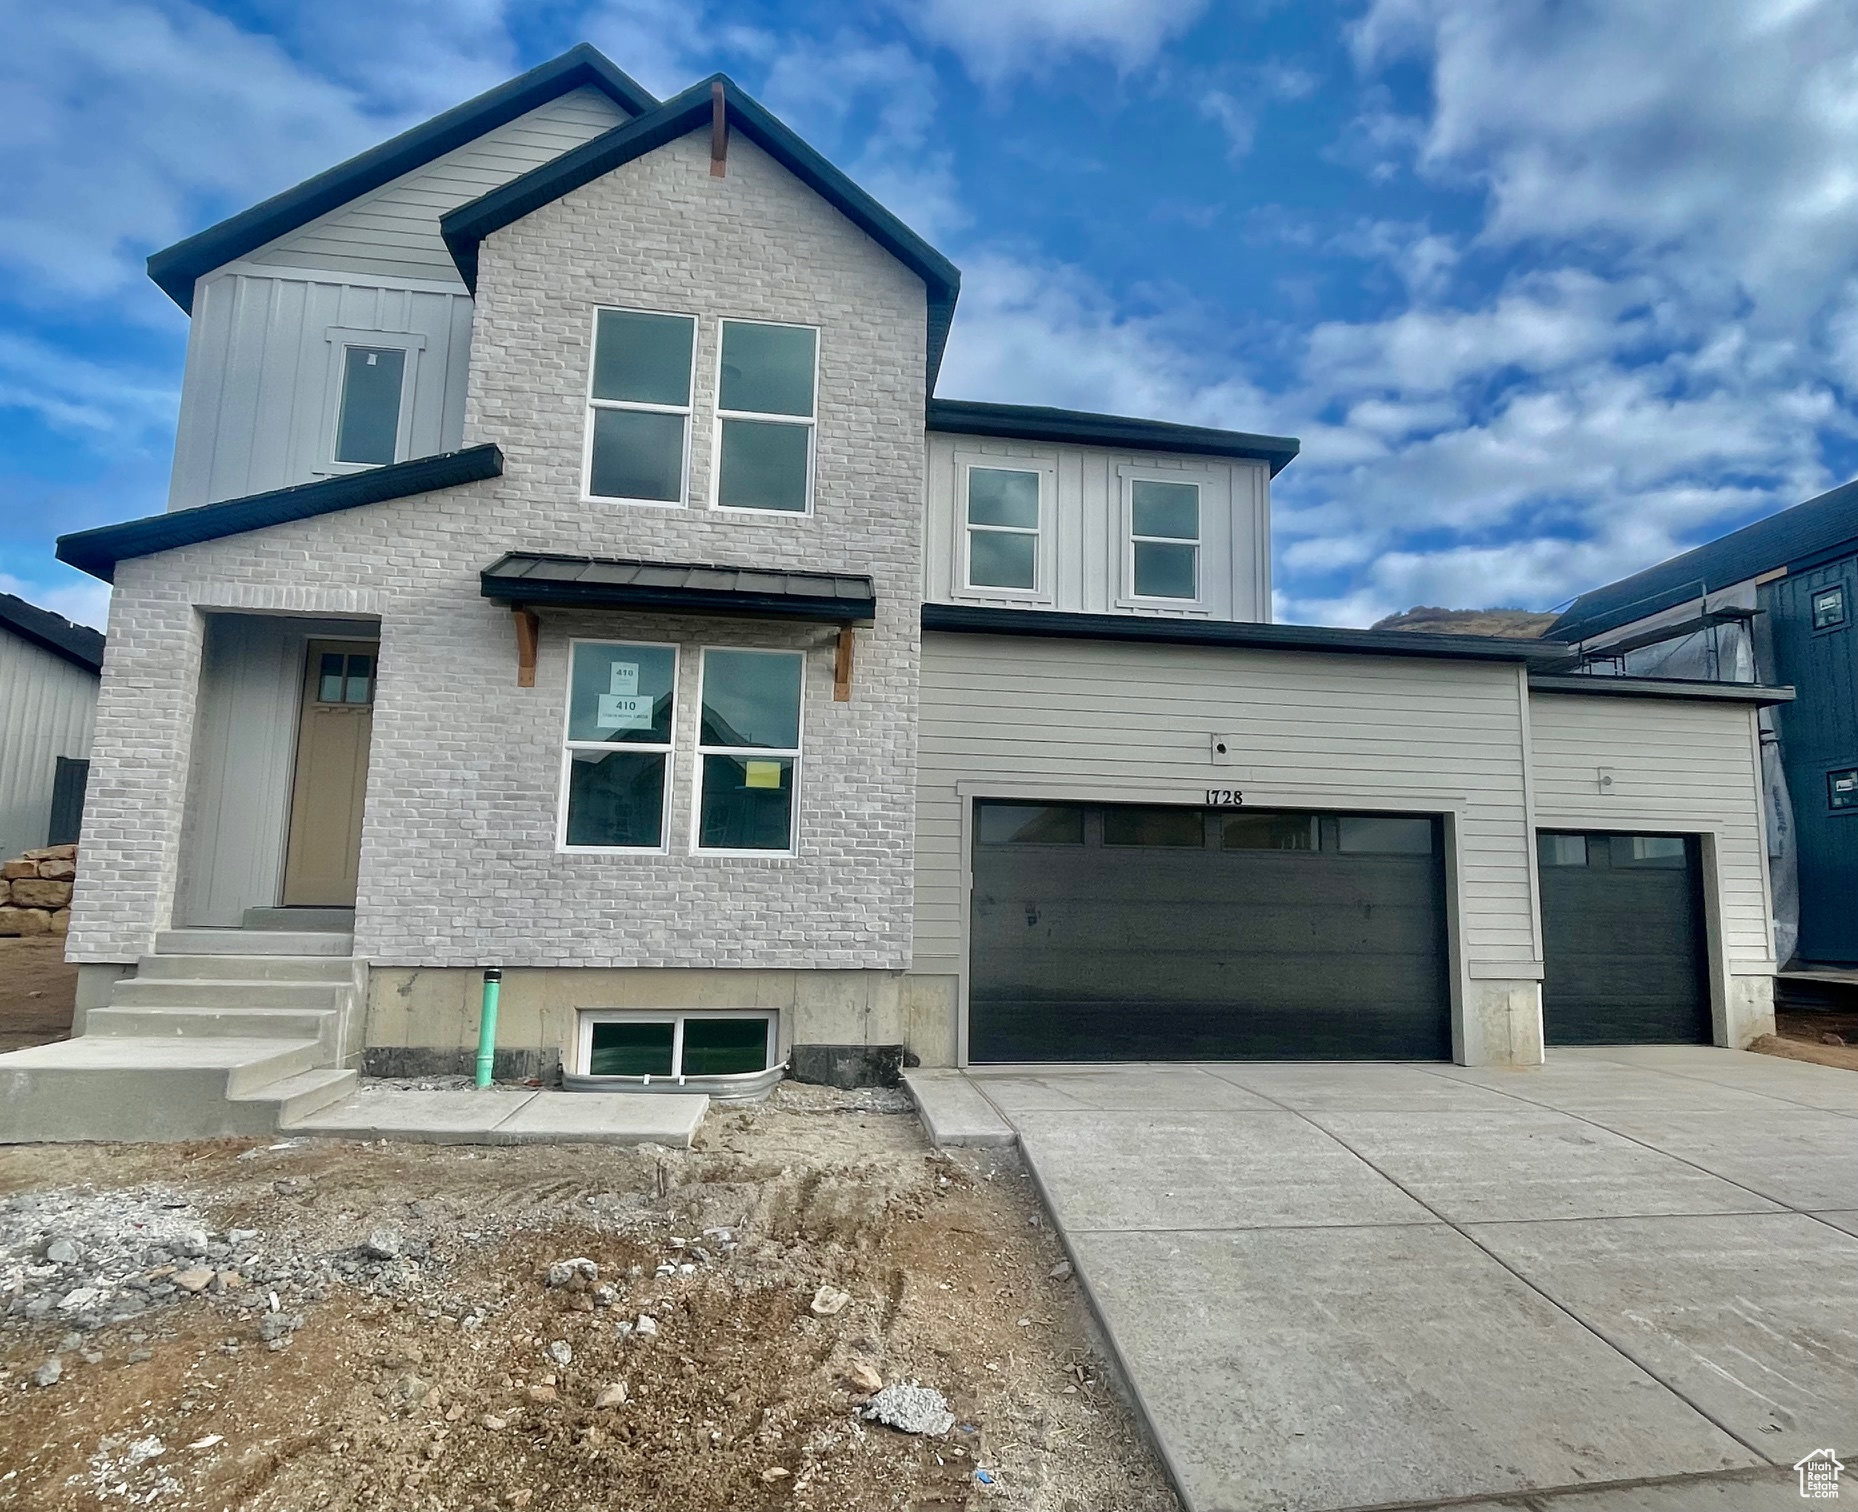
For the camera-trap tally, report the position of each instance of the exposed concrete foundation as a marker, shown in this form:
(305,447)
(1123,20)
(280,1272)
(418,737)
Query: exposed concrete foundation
(94,983)
(1501,1024)
(1748,1010)
(422,1021)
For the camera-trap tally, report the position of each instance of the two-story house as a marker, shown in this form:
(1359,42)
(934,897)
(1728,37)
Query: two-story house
(570,570)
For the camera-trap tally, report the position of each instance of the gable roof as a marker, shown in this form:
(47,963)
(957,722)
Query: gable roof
(176,268)
(466,227)
(1821,526)
(78,644)
(1030,422)
(98,551)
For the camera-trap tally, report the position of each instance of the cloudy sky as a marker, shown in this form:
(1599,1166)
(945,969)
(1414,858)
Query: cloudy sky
(1548,288)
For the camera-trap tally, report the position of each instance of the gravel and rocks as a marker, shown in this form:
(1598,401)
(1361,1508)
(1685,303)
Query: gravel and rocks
(912,1409)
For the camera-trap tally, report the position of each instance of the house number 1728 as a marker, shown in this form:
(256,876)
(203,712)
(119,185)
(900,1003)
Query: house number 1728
(1224,798)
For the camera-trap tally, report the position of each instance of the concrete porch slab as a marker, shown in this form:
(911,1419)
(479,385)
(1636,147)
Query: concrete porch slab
(1203,1171)
(1518,1162)
(1348,1367)
(501,1116)
(1138,1088)
(952,1110)
(1731,1311)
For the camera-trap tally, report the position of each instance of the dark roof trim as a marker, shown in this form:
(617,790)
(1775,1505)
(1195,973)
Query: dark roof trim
(78,644)
(176,268)
(98,551)
(1177,632)
(544,579)
(1821,529)
(1658,687)
(1027,422)
(468,225)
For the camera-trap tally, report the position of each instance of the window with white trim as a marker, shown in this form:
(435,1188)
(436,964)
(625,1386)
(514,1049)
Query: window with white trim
(638,399)
(766,393)
(616,761)
(1164,540)
(367,431)
(748,749)
(725,1043)
(1002,535)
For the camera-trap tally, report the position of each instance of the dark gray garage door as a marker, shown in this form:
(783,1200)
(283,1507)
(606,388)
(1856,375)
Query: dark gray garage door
(1111,932)
(1622,936)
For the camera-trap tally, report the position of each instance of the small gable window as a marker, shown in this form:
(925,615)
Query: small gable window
(368,426)
(1829,608)
(765,409)
(638,426)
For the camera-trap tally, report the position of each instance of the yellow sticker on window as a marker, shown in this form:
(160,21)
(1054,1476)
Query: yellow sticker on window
(762,774)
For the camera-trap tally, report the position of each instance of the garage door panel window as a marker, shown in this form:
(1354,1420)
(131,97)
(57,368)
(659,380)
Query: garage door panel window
(1030,824)
(638,395)
(1154,826)
(749,750)
(1666,851)
(617,753)
(1381,835)
(1562,850)
(1268,831)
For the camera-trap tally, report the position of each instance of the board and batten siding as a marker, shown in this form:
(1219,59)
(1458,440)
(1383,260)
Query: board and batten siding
(1084,528)
(1014,716)
(47,708)
(1678,766)
(263,373)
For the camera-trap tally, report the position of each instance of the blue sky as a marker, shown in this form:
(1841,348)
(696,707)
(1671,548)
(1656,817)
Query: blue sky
(1548,289)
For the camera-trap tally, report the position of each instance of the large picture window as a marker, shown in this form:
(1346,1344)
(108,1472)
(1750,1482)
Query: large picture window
(748,749)
(1164,539)
(1003,528)
(616,766)
(765,397)
(638,422)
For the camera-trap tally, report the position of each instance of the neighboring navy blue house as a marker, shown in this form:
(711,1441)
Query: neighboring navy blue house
(1775,602)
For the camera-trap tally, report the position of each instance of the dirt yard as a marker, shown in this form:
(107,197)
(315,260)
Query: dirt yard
(374,1326)
(1808,1035)
(37,991)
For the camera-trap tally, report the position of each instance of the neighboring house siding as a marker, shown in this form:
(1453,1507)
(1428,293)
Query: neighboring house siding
(1677,766)
(1085,528)
(259,395)
(458,863)
(47,706)
(394,232)
(1134,723)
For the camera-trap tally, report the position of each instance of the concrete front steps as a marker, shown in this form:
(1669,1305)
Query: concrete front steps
(221,1032)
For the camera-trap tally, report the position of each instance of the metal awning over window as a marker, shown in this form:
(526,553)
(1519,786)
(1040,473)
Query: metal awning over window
(539,580)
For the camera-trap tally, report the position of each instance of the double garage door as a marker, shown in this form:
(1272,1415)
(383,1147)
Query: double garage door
(1117,932)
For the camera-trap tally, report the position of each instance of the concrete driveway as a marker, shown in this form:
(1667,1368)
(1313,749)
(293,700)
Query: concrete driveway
(1340,1286)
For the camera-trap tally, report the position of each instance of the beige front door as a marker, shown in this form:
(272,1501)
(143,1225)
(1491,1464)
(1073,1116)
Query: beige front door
(324,854)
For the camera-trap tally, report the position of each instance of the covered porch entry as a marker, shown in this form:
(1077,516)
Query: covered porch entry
(278,781)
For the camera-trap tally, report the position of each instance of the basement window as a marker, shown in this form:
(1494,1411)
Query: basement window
(676,1045)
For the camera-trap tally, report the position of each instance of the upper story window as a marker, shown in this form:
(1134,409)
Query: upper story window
(638,425)
(765,414)
(1164,540)
(1829,608)
(1002,534)
(368,428)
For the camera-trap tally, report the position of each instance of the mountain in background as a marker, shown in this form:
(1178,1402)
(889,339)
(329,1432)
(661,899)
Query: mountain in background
(1524,624)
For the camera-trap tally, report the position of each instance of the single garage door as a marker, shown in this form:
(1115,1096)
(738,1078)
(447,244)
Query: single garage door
(1622,939)
(1113,932)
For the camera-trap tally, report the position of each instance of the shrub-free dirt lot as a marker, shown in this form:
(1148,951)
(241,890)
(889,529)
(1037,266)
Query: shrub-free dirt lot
(37,991)
(425,1379)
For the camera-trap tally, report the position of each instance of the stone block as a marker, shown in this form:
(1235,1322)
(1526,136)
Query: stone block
(53,853)
(24,921)
(58,871)
(20,868)
(61,922)
(34,892)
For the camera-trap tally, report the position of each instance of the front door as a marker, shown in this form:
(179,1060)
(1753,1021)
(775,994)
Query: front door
(323,858)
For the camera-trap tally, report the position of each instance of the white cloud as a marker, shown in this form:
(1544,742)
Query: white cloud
(113,408)
(123,121)
(997,39)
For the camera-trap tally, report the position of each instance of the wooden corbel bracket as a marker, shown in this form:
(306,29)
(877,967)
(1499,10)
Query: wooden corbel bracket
(528,633)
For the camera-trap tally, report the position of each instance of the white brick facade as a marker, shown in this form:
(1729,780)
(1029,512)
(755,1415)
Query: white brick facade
(458,862)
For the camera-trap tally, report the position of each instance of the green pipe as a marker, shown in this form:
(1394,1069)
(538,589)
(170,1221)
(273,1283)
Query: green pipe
(487,1025)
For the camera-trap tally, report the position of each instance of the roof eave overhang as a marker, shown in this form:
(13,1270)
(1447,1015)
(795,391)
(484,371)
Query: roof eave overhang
(1590,685)
(1024,422)
(1231,634)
